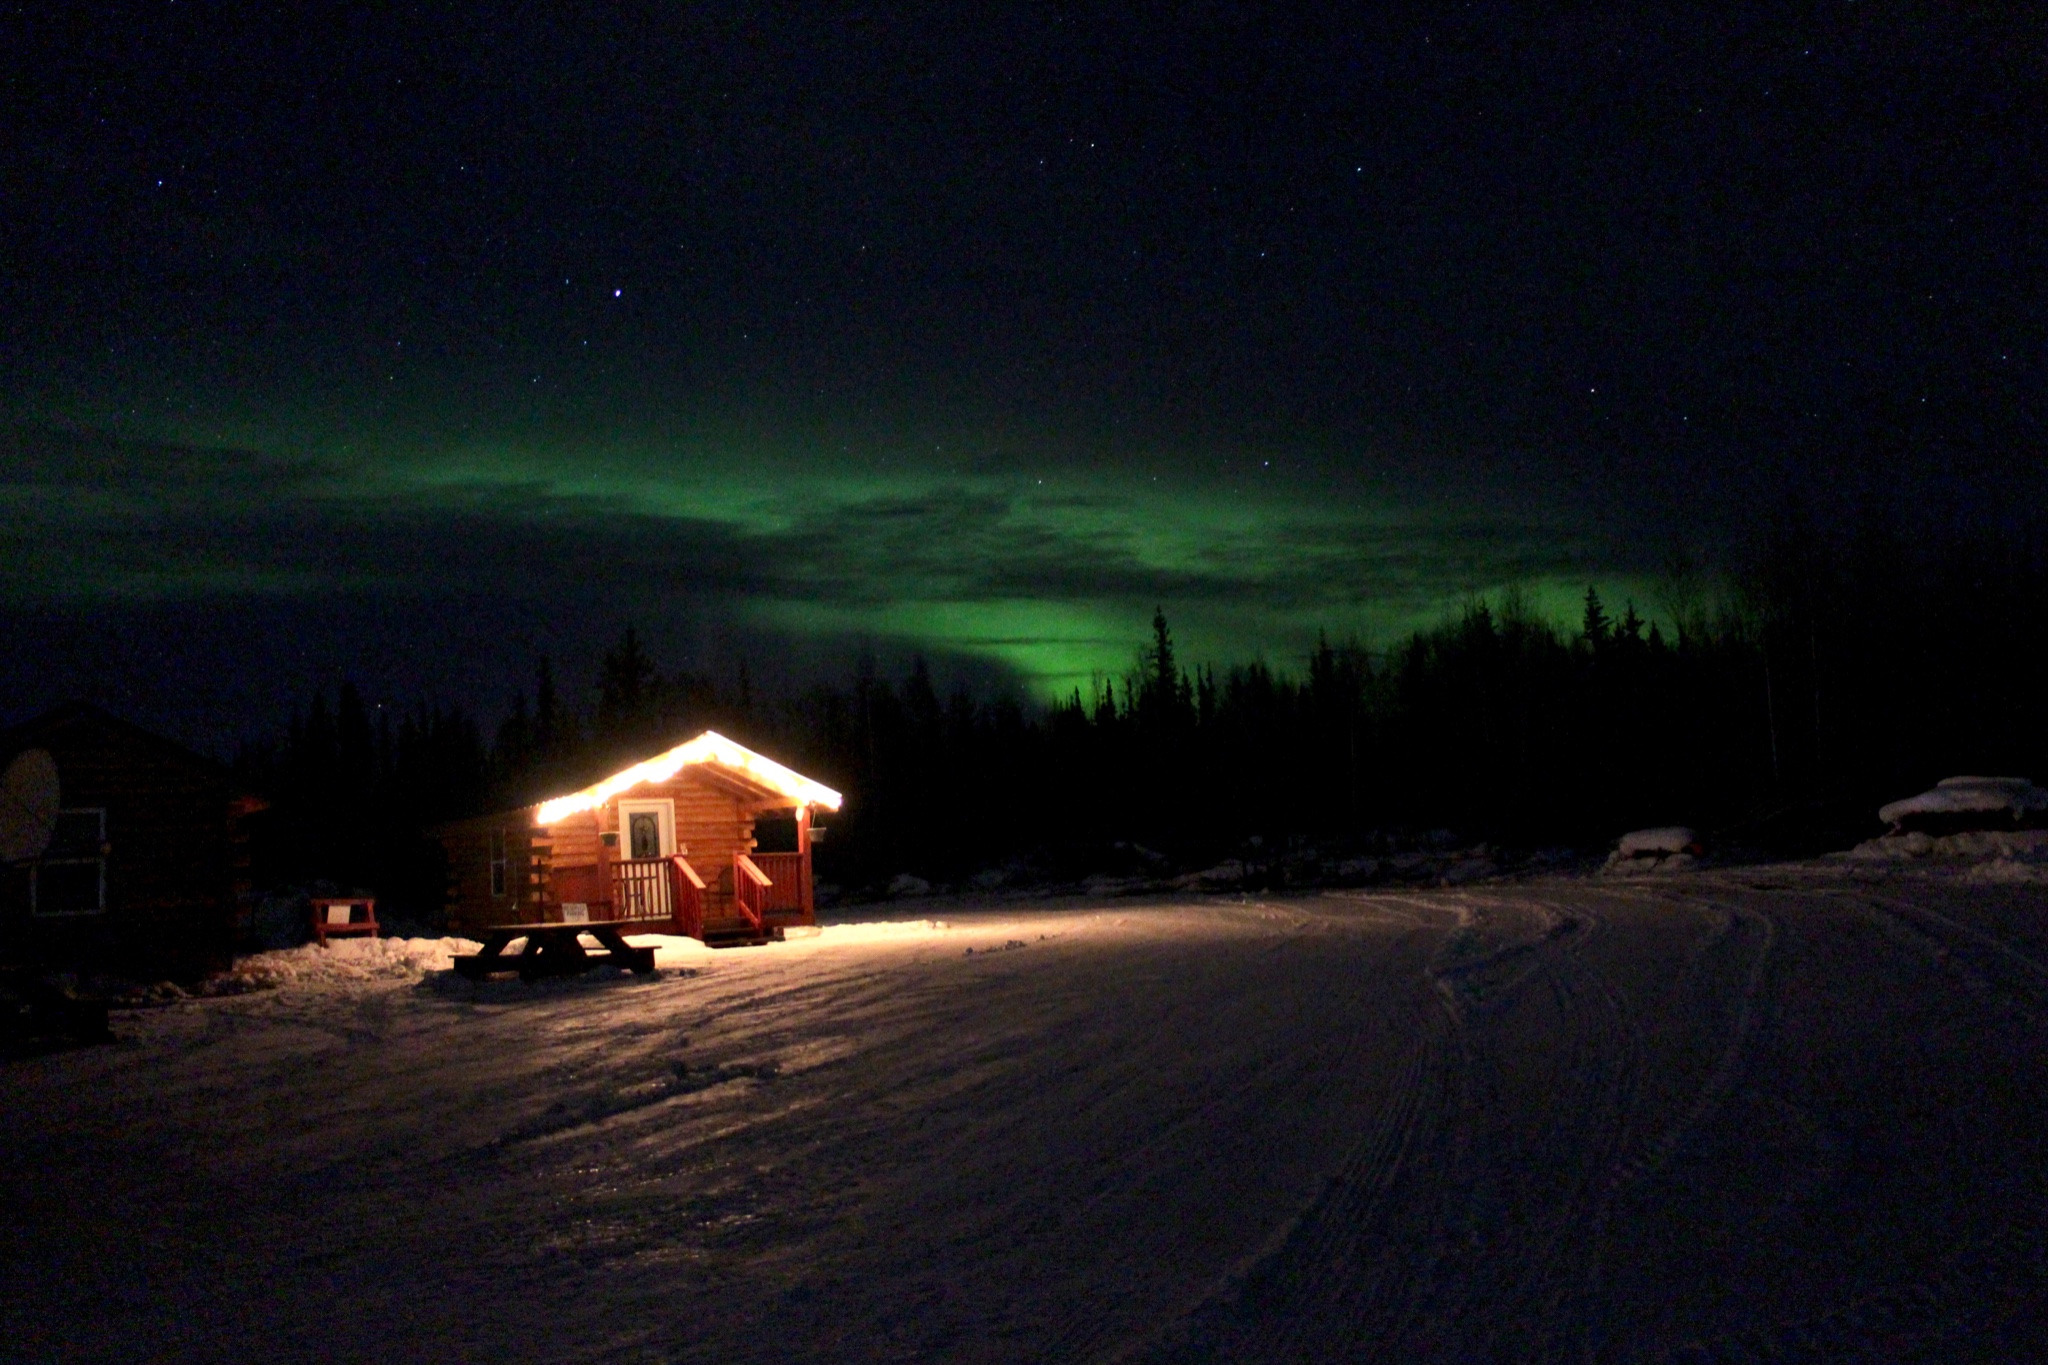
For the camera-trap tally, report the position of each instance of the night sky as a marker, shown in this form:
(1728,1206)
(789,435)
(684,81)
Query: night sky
(407,343)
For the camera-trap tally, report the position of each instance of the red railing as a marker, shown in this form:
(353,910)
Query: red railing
(785,892)
(686,892)
(765,886)
(640,889)
(750,887)
(659,888)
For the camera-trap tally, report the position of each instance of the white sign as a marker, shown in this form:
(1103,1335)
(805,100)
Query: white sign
(338,914)
(575,912)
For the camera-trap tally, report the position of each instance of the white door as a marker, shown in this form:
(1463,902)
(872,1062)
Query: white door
(647,833)
(647,829)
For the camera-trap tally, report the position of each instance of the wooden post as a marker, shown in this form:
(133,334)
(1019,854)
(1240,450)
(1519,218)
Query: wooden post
(606,855)
(803,848)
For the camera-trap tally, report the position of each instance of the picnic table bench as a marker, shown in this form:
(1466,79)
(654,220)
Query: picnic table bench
(554,949)
(336,916)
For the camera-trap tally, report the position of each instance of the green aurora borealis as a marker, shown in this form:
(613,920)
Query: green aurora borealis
(413,346)
(1045,569)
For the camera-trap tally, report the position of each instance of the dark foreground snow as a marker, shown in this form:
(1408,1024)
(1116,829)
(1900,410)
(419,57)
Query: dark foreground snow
(1791,1113)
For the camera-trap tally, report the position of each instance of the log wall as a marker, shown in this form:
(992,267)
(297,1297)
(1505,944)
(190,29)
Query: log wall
(170,906)
(571,860)
(711,826)
(467,844)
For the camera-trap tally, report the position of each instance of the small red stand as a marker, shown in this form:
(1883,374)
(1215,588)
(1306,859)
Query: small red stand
(339,916)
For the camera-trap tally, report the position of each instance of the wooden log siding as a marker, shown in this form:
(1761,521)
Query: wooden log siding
(575,840)
(471,903)
(714,822)
(170,907)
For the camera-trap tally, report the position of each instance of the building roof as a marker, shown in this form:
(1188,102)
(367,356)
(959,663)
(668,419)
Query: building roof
(50,725)
(762,778)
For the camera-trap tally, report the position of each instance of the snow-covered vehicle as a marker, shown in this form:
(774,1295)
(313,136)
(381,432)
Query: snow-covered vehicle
(2000,823)
(1957,804)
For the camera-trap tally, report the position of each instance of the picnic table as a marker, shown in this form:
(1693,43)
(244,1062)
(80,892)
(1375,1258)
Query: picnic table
(336,916)
(554,949)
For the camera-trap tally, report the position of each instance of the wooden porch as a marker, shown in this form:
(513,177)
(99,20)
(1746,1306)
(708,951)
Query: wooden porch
(766,893)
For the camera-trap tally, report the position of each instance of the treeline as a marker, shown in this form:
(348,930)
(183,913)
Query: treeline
(1776,705)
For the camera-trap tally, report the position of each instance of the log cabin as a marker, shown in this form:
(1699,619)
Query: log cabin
(668,839)
(137,876)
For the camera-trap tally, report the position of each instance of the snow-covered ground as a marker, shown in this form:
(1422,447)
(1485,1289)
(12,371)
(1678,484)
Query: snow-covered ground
(1784,1113)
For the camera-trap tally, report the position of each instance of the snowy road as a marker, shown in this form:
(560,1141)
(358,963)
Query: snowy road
(1778,1114)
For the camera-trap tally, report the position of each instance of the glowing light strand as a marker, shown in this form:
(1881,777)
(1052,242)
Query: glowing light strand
(709,747)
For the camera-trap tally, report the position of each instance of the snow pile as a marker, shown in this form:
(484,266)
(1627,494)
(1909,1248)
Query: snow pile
(674,952)
(2008,870)
(1961,803)
(1666,848)
(877,930)
(1468,867)
(360,960)
(1228,875)
(1661,842)
(344,960)
(2015,855)
(1101,886)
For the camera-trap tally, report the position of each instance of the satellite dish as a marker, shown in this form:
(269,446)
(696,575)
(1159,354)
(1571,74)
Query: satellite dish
(28,806)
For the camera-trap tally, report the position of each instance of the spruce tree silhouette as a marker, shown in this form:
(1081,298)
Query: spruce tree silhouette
(1593,625)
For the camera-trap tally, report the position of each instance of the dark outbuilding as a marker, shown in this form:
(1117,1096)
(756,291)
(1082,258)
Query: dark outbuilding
(137,877)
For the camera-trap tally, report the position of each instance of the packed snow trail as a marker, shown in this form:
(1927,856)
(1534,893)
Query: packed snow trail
(1788,1113)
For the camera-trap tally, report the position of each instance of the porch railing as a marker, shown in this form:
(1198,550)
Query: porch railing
(750,887)
(785,893)
(640,889)
(686,890)
(659,888)
(765,887)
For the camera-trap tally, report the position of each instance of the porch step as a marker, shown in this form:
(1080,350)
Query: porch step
(740,934)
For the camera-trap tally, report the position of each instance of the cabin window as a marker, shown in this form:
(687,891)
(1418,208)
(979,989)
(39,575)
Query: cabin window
(71,878)
(497,862)
(646,833)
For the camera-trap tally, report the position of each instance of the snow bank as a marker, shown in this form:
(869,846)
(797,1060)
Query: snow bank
(2006,870)
(1666,848)
(344,960)
(1660,842)
(877,930)
(2007,799)
(409,959)
(673,950)
(2019,847)
(1619,866)
(1468,868)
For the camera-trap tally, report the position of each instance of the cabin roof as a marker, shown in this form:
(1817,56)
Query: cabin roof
(732,764)
(48,727)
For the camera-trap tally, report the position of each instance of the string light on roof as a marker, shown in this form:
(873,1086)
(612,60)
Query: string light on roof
(709,747)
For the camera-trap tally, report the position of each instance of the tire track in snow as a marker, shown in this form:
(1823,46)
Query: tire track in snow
(1221,1315)
(1570,1304)
(1586,1132)
(1354,1269)
(1296,1078)
(1986,964)
(1746,930)
(1401,1255)
(1085,1060)
(1258,1312)
(1514,1250)
(1982,1280)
